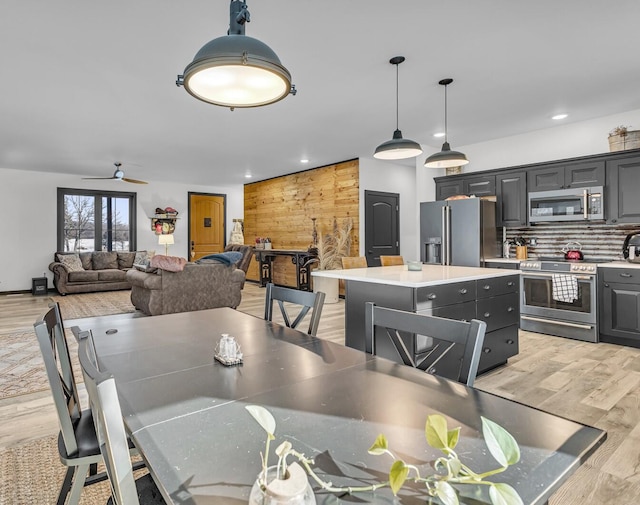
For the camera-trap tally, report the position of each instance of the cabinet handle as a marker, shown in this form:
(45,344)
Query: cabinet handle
(511,284)
(486,350)
(510,342)
(463,291)
(487,314)
(510,309)
(486,287)
(628,276)
(606,285)
(431,296)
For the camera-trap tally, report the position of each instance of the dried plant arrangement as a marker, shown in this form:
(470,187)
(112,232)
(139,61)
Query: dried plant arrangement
(333,246)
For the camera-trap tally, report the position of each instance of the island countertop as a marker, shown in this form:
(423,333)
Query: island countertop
(430,275)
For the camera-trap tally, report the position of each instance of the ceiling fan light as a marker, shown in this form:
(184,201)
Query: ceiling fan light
(397,148)
(236,70)
(446,158)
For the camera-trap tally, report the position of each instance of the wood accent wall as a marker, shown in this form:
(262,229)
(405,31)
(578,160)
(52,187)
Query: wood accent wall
(282,208)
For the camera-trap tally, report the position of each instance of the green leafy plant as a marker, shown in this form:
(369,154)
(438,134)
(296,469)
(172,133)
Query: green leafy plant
(449,471)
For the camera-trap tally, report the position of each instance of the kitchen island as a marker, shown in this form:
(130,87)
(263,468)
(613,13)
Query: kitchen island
(487,294)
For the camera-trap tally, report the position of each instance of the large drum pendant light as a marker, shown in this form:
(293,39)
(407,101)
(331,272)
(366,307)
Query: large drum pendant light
(236,70)
(446,158)
(397,148)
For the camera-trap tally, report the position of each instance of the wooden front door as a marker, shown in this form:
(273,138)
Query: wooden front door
(207,218)
(381,225)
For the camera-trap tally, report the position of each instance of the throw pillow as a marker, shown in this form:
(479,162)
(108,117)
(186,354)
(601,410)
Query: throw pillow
(125,259)
(145,268)
(228,258)
(105,259)
(86,259)
(168,263)
(140,257)
(71,262)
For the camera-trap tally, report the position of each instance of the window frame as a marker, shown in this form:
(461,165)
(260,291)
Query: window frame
(133,220)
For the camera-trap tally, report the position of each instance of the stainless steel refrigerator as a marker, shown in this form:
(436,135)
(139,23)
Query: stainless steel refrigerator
(458,232)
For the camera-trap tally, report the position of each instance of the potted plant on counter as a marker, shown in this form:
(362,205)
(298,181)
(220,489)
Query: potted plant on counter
(332,247)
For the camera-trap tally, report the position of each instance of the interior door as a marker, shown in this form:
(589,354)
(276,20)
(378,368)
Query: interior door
(381,225)
(207,218)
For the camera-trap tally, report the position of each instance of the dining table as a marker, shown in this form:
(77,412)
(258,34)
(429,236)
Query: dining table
(186,412)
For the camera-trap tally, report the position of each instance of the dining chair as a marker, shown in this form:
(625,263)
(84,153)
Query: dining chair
(354,262)
(445,334)
(305,299)
(77,441)
(112,438)
(388,261)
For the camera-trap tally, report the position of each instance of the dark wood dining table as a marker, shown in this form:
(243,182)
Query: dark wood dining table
(186,413)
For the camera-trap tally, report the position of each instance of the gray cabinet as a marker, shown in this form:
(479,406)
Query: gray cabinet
(622,190)
(445,189)
(511,199)
(619,308)
(575,175)
(484,185)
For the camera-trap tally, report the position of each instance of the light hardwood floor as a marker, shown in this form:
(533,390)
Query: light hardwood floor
(596,384)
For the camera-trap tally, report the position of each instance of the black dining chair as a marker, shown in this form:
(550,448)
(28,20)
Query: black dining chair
(112,438)
(444,335)
(77,441)
(305,300)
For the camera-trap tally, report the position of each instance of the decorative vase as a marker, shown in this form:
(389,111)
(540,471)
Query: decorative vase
(329,286)
(294,489)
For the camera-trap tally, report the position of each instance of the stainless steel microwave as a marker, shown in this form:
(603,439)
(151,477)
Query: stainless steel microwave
(574,204)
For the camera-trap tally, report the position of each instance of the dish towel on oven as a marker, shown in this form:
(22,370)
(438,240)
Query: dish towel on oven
(564,288)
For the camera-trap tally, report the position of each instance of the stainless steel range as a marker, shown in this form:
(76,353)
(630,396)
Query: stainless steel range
(558,297)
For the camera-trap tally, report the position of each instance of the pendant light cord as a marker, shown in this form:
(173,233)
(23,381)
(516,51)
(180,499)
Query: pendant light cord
(397,103)
(446,137)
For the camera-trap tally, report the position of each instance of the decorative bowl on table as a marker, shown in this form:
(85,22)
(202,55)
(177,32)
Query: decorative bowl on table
(414,266)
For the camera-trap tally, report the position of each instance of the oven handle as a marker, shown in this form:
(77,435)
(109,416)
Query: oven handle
(581,277)
(559,323)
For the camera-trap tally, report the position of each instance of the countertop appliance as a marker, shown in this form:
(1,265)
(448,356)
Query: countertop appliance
(558,297)
(573,204)
(631,248)
(458,232)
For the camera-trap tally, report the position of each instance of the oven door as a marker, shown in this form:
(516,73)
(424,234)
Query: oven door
(541,312)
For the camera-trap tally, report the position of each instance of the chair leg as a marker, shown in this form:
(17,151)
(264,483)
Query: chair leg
(66,485)
(78,484)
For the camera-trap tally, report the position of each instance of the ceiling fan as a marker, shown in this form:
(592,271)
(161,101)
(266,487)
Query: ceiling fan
(118,175)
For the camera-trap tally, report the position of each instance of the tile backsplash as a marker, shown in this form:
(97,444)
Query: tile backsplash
(597,240)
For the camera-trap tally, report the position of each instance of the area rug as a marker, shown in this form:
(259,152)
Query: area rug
(21,366)
(32,474)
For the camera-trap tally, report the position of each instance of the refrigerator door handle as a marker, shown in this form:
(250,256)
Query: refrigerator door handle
(446,232)
(443,246)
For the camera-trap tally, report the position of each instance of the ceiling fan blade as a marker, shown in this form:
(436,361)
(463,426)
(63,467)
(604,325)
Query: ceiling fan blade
(135,181)
(100,178)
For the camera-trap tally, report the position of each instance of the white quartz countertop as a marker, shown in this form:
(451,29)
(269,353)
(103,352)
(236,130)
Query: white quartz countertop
(430,275)
(503,260)
(619,264)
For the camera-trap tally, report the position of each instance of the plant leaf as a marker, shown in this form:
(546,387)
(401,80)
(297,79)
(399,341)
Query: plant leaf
(380,446)
(436,431)
(454,466)
(504,494)
(263,417)
(502,446)
(397,475)
(446,493)
(452,438)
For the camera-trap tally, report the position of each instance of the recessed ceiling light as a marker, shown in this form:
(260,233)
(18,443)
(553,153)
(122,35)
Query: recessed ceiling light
(559,116)
(438,135)
(304,160)
(248,176)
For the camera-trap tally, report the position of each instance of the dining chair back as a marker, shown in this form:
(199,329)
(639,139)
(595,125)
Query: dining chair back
(445,335)
(304,300)
(77,442)
(112,438)
(388,261)
(354,262)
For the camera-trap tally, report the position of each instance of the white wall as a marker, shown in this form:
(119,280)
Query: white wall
(376,175)
(29,230)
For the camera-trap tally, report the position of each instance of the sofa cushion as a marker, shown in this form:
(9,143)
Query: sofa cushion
(103,260)
(112,275)
(125,259)
(71,262)
(145,267)
(227,258)
(86,259)
(169,263)
(83,276)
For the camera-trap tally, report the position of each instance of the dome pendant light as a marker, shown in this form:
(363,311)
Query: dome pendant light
(235,70)
(446,158)
(397,148)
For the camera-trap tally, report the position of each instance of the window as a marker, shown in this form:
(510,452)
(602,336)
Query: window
(96,220)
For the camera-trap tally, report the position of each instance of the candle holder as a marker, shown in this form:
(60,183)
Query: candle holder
(228,351)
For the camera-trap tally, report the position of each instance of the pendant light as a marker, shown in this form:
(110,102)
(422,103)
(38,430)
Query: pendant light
(397,148)
(446,157)
(235,70)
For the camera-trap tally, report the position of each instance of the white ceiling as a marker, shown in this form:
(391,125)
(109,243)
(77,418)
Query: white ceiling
(89,83)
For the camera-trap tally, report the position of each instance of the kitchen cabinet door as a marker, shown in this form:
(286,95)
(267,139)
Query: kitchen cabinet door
(511,199)
(449,188)
(545,179)
(620,313)
(480,186)
(584,174)
(623,190)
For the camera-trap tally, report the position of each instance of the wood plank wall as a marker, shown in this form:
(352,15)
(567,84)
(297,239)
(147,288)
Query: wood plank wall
(282,208)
